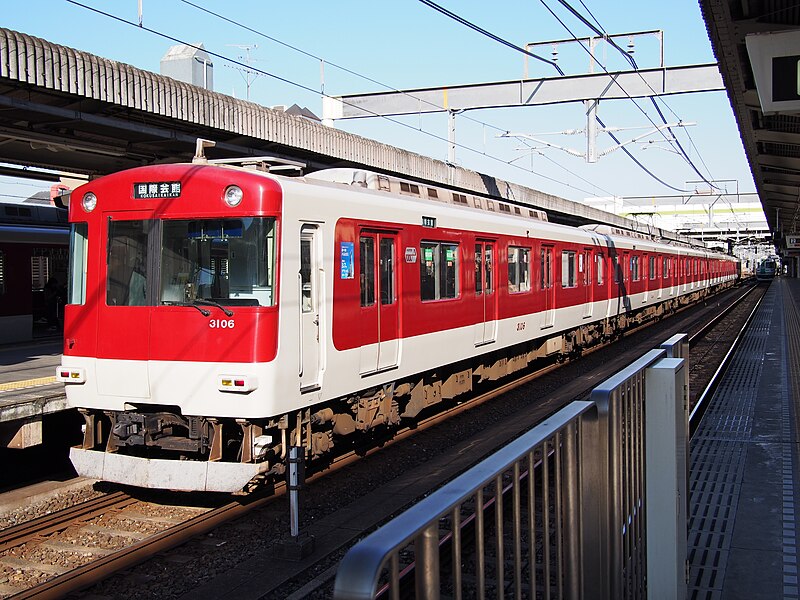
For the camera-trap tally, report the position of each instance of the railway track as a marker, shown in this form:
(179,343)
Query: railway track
(99,560)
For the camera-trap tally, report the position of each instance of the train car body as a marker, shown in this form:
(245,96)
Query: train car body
(766,269)
(34,241)
(219,315)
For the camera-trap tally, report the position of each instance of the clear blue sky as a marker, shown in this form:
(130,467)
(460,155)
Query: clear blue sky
(405,44)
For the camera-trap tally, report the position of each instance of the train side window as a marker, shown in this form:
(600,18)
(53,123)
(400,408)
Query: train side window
(2,272)
(78,246)
(367,262)
(665,268)
(653,267)
(438,271)
(568,279)
(519,270)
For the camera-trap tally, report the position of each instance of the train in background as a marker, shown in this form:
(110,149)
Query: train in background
(34,254)
(218,314)
(767,269)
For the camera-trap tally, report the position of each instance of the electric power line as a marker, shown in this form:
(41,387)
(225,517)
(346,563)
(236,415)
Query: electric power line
(309,89)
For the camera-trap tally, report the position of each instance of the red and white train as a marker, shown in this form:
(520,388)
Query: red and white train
(219,314)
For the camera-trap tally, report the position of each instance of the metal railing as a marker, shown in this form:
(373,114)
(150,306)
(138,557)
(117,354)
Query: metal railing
(560,512)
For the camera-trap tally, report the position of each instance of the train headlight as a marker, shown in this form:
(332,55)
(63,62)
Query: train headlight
(233,195)
(89,201)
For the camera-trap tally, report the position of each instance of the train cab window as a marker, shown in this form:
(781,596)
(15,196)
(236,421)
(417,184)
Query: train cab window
(228,261)
(438,271)
(78,254)
(126,278)
(568,279)
(519,270)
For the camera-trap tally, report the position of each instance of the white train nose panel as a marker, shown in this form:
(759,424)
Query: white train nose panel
(128,378)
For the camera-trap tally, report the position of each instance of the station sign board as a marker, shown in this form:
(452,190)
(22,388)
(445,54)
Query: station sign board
(775,60)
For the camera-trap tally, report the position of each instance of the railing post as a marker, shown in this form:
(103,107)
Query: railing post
(426,551)
(572,515)
(594,492)
(666,461)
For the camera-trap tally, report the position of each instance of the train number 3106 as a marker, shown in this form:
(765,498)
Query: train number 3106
(221,323)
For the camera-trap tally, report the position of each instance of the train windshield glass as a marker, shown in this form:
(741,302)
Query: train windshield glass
(228,261)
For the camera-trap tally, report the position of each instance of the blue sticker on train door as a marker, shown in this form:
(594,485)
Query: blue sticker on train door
(346,267)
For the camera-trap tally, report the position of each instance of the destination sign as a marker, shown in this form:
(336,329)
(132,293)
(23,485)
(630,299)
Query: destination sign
(157,189)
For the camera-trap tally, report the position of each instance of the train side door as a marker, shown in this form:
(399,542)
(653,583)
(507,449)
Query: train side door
(124,307)
(486,329)
(310,289)
(546,286)
(585,266)
(380,322)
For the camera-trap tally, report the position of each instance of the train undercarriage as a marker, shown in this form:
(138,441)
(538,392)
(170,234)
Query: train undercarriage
(163,433)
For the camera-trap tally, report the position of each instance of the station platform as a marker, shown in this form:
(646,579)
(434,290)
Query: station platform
(28,390)
(744,464)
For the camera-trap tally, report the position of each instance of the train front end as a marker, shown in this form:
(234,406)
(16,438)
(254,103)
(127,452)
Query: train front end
(171,325)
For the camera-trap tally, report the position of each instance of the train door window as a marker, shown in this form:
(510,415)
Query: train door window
(653,267)
(665,268)
(40,271)
(546,258)
(78,255)
(367,262)
(306,287)
(483,268)
(635,268)
(478,268)
(126,283)
(615,268)
(599,260)
(519,270)
(438,270)
(585,267)
(386,266)
(568,279)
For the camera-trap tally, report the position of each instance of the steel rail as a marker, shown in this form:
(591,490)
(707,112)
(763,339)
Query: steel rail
(702,401)
(713,322)
(47,524)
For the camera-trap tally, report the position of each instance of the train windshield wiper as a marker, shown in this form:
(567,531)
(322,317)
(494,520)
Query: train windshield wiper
(212,303)
(193,304)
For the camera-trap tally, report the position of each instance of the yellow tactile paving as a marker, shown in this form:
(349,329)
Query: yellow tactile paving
(20,385)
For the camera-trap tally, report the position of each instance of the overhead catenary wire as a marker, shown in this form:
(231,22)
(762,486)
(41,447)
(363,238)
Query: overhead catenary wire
(627,55)
(611,135)
(314,91)
(467,23)
(372,80)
